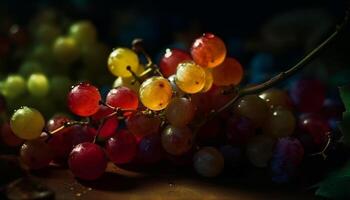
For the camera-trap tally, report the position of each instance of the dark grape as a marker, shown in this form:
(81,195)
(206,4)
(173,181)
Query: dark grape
(171,59)
(122,147)
(239,130)
(36,154)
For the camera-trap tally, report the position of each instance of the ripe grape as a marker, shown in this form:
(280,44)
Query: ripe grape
(280,122)
(36,154)
(229,72)
(141,125)
(65,50)
(83,99)
(208,50)
(121,148)
(150,149)
(177,140)
(84,32)
(308,95)
(14,86)
(38,85)
(27,123)
(239,130)
(108,127)
(208,80)
(259,150)
(119,61)
(87,161)
(171,59)
(208,162)
(180,111)
(128,82)
(155,93)
(254,108)
(276,97)
(286,159)
(190,77)
(8,137)
(123,98)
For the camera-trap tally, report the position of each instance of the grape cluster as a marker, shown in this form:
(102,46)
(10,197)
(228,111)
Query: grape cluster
(166,113)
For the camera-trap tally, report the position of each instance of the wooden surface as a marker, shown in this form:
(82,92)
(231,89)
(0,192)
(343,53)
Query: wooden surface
(167,185)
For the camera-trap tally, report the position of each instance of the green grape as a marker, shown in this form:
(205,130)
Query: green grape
(259,150)
(14,86)
(279,123)
(119,61)
(180,111)
(65,50)
(29,67)
(59,87)
(84,32)
(27,123)
(38,85)
(190,77)
(155,93)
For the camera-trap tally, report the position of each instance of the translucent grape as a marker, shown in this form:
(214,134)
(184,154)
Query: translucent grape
(180,111)
(208,162)
(36,154)
(171,59)
(209,80)
(279,123)
(87,161)
(254,108)
(176,90)
(122,97)
(208,50)
(230,72)
(259,150)
(141,125)
(14,86)
(119,61)
(65,50)
(177,140)
(276,97)
(83,99)
(122,147)
(38,85)
(155,93)
(108,128)
(190,77)
(27,123)
(84,32)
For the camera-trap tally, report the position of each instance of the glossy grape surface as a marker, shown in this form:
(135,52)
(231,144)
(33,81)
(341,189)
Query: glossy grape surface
(171,59)
(190,77)
(177,140)
(180,111)
(230,72)
(119,61)
(254,108)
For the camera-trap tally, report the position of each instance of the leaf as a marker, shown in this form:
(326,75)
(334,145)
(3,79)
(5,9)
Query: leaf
(345,96)
(344,127)
(336,185)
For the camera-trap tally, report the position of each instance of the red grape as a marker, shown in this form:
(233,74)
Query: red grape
(171,59)
(83,99)
(122,147)
(87,161)
(36,154)
(108,128)
(102,112)
(56,122)
(230,72)
(122,97)
(8,137)
(141,125)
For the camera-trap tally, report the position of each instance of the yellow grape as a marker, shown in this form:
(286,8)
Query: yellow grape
(208,80)
(254,108)
(155,93)
(120,59)
(129,82)
(190,77)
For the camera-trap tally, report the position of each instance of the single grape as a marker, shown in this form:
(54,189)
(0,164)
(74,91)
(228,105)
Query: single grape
(208,162)
(276,97)
(280,122)
(155,93)
(177,140)
(121,148)
(259,150)
(36,154)
(14,86)
(83,99)
(208,50)
(180,111)
(190,77)
(119,61)
(208,80)
(171,59)
(65,50)
(38,85)
(150,149)
(123,98)
(8,137)
(229,72)
(239,130)
(108,127)
(286,159)
(254,108)
(308,95)
(141,125)
(27,123)
(87,161)
(84,32)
